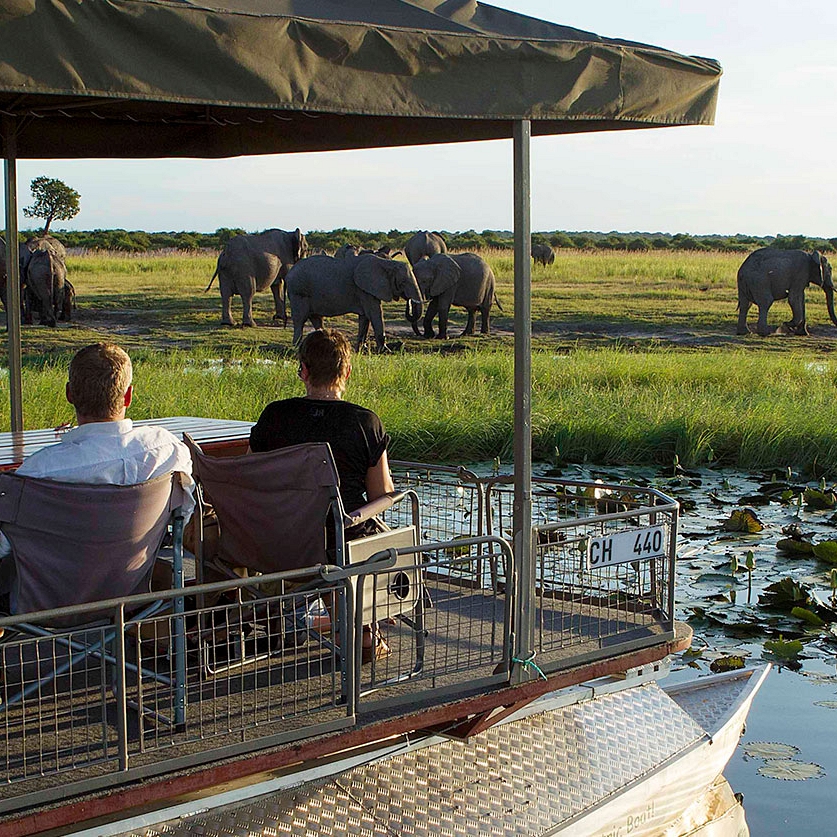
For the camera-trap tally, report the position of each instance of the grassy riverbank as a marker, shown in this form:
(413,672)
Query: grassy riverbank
(636,361)
(599,405)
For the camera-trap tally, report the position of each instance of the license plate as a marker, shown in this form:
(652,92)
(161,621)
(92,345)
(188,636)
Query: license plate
(624,547)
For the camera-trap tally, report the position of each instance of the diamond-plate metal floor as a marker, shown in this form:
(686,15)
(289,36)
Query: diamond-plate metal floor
(521,778)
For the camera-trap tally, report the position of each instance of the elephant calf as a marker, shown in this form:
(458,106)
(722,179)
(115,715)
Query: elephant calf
(769,274)
(464,279)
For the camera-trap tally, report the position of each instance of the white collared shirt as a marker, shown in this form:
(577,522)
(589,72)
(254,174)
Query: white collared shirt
(114,453)
(111,453)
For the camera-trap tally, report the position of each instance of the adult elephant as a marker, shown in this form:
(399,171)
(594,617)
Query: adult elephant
(44,286)
(424,244)
(23,254)
(769,274)
(251,263)
(543,254)
(464,279)
(322,286)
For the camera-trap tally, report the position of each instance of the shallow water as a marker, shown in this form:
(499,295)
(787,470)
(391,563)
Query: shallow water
(794,707)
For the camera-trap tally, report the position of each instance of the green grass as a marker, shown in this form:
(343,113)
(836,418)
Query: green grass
(612,383)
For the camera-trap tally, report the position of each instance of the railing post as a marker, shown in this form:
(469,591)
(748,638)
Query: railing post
(524,554)
(12,276)
(122,688)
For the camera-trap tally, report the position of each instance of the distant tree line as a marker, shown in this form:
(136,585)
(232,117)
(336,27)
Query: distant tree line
(139,241)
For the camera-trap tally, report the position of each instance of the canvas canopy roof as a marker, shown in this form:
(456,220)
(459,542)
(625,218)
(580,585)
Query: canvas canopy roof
(165,78)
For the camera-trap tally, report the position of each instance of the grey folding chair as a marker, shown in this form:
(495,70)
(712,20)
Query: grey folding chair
(275,508)
(74,544)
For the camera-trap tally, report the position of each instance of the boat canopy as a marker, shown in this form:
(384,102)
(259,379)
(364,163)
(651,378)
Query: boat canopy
(221,78)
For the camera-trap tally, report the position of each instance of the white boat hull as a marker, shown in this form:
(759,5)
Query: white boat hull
(624,763)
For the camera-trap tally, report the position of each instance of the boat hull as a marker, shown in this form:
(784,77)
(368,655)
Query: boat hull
(612,764)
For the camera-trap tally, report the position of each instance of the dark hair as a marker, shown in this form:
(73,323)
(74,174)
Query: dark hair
(327,355)
(100,375)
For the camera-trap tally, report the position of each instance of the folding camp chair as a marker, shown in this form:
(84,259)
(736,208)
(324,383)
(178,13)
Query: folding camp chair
(74,544)
(274,510)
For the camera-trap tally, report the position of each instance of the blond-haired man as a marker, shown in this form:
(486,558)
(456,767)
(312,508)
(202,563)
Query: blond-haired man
(105,447)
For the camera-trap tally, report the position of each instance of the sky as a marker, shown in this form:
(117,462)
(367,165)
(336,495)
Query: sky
(766,167)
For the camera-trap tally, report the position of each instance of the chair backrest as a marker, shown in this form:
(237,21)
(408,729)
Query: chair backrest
(272,507)
(75,543)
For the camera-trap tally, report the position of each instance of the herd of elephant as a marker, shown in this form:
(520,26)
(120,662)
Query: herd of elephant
(44,285)
(359,281)
(355,281)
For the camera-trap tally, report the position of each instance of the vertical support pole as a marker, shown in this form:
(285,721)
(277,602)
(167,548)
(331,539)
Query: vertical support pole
(12,275)
(524,554)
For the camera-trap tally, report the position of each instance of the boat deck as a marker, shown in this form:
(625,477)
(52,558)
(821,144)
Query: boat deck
(240,685)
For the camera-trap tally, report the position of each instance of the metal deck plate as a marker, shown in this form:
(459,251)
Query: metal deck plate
(521,778)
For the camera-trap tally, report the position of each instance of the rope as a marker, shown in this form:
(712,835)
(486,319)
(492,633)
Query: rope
(529,663)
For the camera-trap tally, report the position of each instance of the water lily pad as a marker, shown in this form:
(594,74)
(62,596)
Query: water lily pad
(770,750)
(784,595)
(784,649)
(807,616)
(793,546)
(743,520)
(790,771)
(731,663)
(826,551)
(819,500)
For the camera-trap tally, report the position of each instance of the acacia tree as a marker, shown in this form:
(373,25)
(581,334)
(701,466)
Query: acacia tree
(54,201)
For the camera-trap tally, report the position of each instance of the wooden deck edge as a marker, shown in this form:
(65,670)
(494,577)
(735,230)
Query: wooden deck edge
(152,793)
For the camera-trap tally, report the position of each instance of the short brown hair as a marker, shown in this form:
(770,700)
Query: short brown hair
(99,377)
(327,355)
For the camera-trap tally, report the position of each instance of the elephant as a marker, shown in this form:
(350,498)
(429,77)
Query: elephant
(424,244)
(323,286)
(251,263)
(23,255)
(44,286)
(464,279)
(543,254)
(769,274)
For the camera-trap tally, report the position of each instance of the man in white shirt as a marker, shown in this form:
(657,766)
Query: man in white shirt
(105,447)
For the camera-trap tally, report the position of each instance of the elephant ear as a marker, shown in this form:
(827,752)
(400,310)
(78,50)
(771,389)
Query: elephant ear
(372,274)
(300,245)
(816,267)
(446,274)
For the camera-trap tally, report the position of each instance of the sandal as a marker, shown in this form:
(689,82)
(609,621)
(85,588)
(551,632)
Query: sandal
(378,650)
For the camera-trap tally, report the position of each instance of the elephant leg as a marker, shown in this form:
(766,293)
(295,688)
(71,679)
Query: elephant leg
(226,307)
(743,308)
(247,308)
(316,321)
(278,290)
(485,320)
(762,328)
(362,331)
(469,326)
(797,306)
(432,308)
(376,317)
(443,322)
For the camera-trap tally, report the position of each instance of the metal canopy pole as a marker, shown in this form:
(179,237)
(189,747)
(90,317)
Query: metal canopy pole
(524,554)
(12,275)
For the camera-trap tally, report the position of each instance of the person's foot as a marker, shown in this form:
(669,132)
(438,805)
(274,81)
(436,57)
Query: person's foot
(376,648)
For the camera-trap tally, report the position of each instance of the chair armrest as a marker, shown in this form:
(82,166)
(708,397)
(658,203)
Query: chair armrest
(373,508)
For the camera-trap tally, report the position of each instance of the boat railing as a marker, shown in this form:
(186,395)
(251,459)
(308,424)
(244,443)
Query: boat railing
(246,664)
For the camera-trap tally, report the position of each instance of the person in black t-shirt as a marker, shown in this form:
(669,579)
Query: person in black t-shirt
(356,435)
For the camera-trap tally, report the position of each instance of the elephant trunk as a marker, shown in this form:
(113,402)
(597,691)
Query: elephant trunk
(829,301)
(412,313)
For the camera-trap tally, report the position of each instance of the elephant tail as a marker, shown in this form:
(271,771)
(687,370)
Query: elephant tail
(497,301)
(211,281)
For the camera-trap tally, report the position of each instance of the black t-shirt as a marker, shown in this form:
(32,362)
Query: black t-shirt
(356,435)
